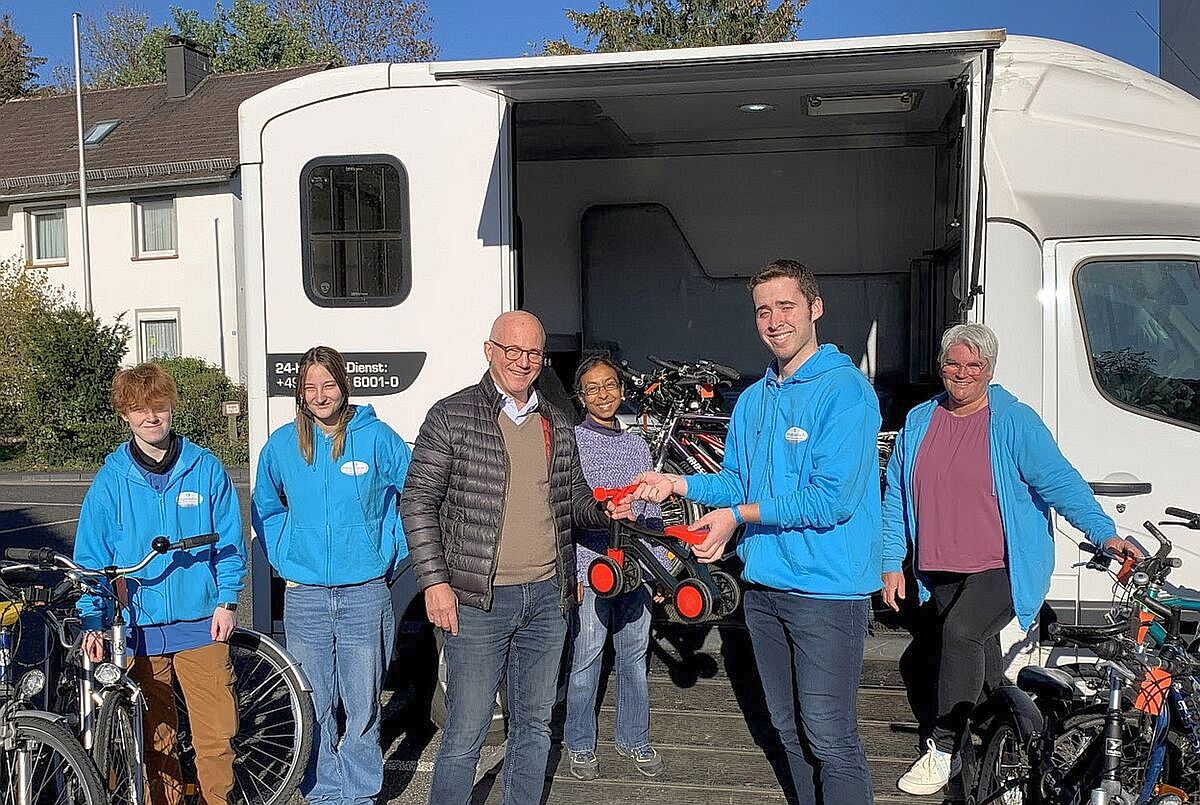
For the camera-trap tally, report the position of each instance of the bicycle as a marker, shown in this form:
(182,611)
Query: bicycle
(1135,738)
(275,712)
(40,760)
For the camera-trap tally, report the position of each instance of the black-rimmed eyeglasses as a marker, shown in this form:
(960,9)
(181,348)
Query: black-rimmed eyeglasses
(513,353)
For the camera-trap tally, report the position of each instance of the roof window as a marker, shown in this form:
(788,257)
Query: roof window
(99,131)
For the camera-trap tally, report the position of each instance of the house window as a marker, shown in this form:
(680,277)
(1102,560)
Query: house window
(1141,319)
(158,337)
(99,131)
(154,227)
(354,212)
(47,236)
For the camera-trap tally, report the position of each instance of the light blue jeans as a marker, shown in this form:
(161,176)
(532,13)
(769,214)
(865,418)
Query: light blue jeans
(342,637)
(628,618)
(522,635)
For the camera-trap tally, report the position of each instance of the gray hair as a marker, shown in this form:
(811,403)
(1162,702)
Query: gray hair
(978,337)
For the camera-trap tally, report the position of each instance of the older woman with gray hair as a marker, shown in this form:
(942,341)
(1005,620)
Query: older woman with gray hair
(970,486)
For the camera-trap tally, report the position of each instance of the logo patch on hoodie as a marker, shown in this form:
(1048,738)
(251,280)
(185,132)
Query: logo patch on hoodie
(795,435)
(356,468)
(189,499)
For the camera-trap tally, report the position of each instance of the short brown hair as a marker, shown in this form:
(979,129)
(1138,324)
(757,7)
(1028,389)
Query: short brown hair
(144,386)
(792,269)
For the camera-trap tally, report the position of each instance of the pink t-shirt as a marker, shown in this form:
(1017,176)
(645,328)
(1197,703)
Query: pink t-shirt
(958,516)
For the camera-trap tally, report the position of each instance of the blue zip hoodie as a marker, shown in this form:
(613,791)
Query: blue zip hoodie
(1030,474)
(122,513)
(804,449)
(332,523)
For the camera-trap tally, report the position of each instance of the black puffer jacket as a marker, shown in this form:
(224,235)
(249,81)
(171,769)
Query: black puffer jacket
(454,494)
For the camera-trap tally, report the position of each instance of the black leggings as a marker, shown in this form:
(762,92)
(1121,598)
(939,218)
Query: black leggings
(972,608)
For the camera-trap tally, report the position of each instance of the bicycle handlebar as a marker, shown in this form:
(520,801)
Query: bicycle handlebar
(665,364)
(1193,519)
(46,557)
(722,370)
(192,542)
(40,556)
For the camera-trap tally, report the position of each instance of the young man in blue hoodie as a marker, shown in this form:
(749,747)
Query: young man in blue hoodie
(181,606)
(801,472)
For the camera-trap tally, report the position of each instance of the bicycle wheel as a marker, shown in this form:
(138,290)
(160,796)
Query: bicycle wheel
(1004,767)
(1078,752)
(275,722)
(116,748)
(45,765)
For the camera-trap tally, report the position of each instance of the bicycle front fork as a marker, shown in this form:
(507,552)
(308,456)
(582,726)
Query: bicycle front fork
(1108,792)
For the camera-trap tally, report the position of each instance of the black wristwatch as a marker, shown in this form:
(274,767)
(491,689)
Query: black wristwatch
(230,607)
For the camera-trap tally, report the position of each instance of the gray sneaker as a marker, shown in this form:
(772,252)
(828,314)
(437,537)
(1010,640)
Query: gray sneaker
(584,765)
(645,758)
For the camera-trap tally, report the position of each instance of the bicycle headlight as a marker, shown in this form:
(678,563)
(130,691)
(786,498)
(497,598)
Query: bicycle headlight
(106,673)
(31,684)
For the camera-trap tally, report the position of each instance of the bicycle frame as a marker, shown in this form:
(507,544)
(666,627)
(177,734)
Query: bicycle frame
(91,696)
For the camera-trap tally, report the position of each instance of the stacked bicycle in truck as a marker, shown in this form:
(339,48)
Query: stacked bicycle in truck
(85,743)
(1122,729)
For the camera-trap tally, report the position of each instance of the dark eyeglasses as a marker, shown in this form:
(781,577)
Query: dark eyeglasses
(513,353)
(594,389)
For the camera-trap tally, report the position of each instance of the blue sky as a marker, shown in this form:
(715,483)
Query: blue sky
(466,29)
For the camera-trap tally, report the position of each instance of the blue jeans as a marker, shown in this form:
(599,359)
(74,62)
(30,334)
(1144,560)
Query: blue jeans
(342,637)
(628,618)
(809,653)
(522,636)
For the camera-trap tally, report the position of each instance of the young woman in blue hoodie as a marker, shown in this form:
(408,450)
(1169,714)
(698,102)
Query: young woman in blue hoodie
(324,507)
(181,606)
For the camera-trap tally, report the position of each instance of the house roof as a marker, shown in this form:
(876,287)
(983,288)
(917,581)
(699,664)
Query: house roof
(159,141)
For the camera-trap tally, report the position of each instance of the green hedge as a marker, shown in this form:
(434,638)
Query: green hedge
(65,414)
(202,389)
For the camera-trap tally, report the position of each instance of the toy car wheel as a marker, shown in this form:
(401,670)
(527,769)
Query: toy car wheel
(605,577)
(693,601)
(632,573)
(731,594)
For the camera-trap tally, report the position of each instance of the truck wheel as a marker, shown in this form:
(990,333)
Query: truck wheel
(437,706)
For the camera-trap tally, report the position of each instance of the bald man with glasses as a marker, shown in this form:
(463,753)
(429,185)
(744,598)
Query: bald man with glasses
(493,491)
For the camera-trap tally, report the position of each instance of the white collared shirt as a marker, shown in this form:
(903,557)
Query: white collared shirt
(515,412)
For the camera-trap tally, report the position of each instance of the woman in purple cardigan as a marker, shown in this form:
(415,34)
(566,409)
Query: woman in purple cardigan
(611,457)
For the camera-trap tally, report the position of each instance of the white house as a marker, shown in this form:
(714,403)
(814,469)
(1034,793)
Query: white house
(163,203)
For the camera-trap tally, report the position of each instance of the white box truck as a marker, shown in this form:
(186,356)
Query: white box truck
(1051,192)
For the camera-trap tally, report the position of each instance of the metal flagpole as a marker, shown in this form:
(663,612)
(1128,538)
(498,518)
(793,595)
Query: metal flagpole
(83,207)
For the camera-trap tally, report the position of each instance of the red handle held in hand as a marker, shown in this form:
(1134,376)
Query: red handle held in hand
(685,534)
(603,495)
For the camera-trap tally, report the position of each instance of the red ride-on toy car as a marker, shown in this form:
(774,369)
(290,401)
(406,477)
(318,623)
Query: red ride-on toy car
(696,592)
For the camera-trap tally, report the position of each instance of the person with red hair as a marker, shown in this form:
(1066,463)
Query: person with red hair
(181,606)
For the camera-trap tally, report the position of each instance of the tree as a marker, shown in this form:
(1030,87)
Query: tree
(65,412)
(25,292)
(363,31)
(122,49)
(18,68)
(115,51)
(661,24)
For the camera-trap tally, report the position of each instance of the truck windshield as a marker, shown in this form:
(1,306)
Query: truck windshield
(1141,319)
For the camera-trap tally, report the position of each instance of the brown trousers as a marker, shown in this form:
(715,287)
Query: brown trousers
(205,676)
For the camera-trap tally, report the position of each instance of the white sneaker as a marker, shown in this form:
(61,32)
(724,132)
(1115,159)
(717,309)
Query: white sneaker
(929,774)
